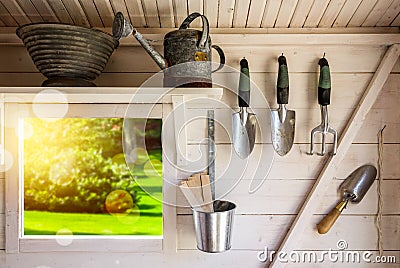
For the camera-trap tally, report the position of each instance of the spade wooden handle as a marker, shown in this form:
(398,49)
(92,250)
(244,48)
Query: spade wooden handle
(327,222)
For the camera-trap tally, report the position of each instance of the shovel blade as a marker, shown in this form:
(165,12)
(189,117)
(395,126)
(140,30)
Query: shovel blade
(356,185)
(282,133)
(244,133)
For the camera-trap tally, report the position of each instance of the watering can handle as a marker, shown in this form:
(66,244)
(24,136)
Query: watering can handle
(206,28)
(221,57)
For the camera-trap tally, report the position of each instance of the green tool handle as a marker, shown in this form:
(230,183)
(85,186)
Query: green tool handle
(282,95)
(244,84)
(324,85)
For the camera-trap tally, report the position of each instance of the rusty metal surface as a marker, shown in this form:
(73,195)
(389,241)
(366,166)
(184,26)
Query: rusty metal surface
(60,50)
(187,52)
(181,47)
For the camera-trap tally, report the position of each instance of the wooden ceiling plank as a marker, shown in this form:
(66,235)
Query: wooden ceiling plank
(151,13)
(396,22)
(211,12)
(181,11)
(119,6)
(376,13)
(361,13)
(270,13)
(136,13)
(301,13)
(331,13)
(166,13)
(390,14)
(348,10)
(6,17)
(16,12)
(195,6)
(91,12)
(105,11)
(255,14)
(225,13)
(316,12)
(61,12)
(30,10)
(2,24)
(45,11)
(240,14)
(76,12)
(285,13)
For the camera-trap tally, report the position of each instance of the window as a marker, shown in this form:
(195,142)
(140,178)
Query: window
(23,109)
(68,187)
(76,181)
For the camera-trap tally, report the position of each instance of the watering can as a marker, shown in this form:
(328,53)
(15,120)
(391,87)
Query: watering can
(187,52)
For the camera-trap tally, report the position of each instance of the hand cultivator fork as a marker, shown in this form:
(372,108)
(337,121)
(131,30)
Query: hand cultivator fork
(324,92)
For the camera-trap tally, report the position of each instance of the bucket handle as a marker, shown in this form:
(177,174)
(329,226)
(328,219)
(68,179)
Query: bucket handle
(221,57)
(206,27)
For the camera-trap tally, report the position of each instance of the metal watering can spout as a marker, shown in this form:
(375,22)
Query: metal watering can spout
(123,28)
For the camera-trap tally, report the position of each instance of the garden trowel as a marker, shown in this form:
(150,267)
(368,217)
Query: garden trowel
(244,122)
(352,189)
(282,120)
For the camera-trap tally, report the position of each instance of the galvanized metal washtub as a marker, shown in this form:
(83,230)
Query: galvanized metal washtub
(67,55)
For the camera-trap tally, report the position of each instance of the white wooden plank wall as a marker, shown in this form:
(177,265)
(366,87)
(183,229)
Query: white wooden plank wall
(262,217)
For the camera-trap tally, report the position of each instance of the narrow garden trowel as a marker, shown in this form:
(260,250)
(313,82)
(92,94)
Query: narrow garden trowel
(352,189)
(282,120)
(244,122)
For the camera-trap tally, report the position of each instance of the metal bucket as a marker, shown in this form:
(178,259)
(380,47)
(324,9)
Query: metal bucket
(214,229)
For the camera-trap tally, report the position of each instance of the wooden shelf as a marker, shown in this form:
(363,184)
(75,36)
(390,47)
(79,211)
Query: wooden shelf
(104,94)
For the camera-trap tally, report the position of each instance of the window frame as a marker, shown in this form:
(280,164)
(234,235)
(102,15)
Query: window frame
(112,105)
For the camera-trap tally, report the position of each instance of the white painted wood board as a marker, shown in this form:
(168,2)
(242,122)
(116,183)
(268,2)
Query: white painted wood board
(300,58)
(255,14)
(362,12)
(211,12)
(270,13)
(285,13)
(241,12)
(257,232)
(225,13)
(331,12)
(316,13)
(346,13)
(136,13)
(329,169)
(89,8)
(301,13)
(348,83)
(105,11)
(377,12)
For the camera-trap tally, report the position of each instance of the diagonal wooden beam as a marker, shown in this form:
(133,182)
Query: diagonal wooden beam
(316,194)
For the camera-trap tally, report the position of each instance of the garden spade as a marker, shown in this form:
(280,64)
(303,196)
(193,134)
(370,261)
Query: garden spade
(353,189)
(244,122)
(282,120)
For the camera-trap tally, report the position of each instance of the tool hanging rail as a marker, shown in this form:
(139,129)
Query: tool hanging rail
(302,220)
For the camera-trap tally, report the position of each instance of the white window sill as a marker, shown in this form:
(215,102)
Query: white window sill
(91,244)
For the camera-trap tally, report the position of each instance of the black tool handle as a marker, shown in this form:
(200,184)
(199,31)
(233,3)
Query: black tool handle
(324,85)
(244,84)
(282,95)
